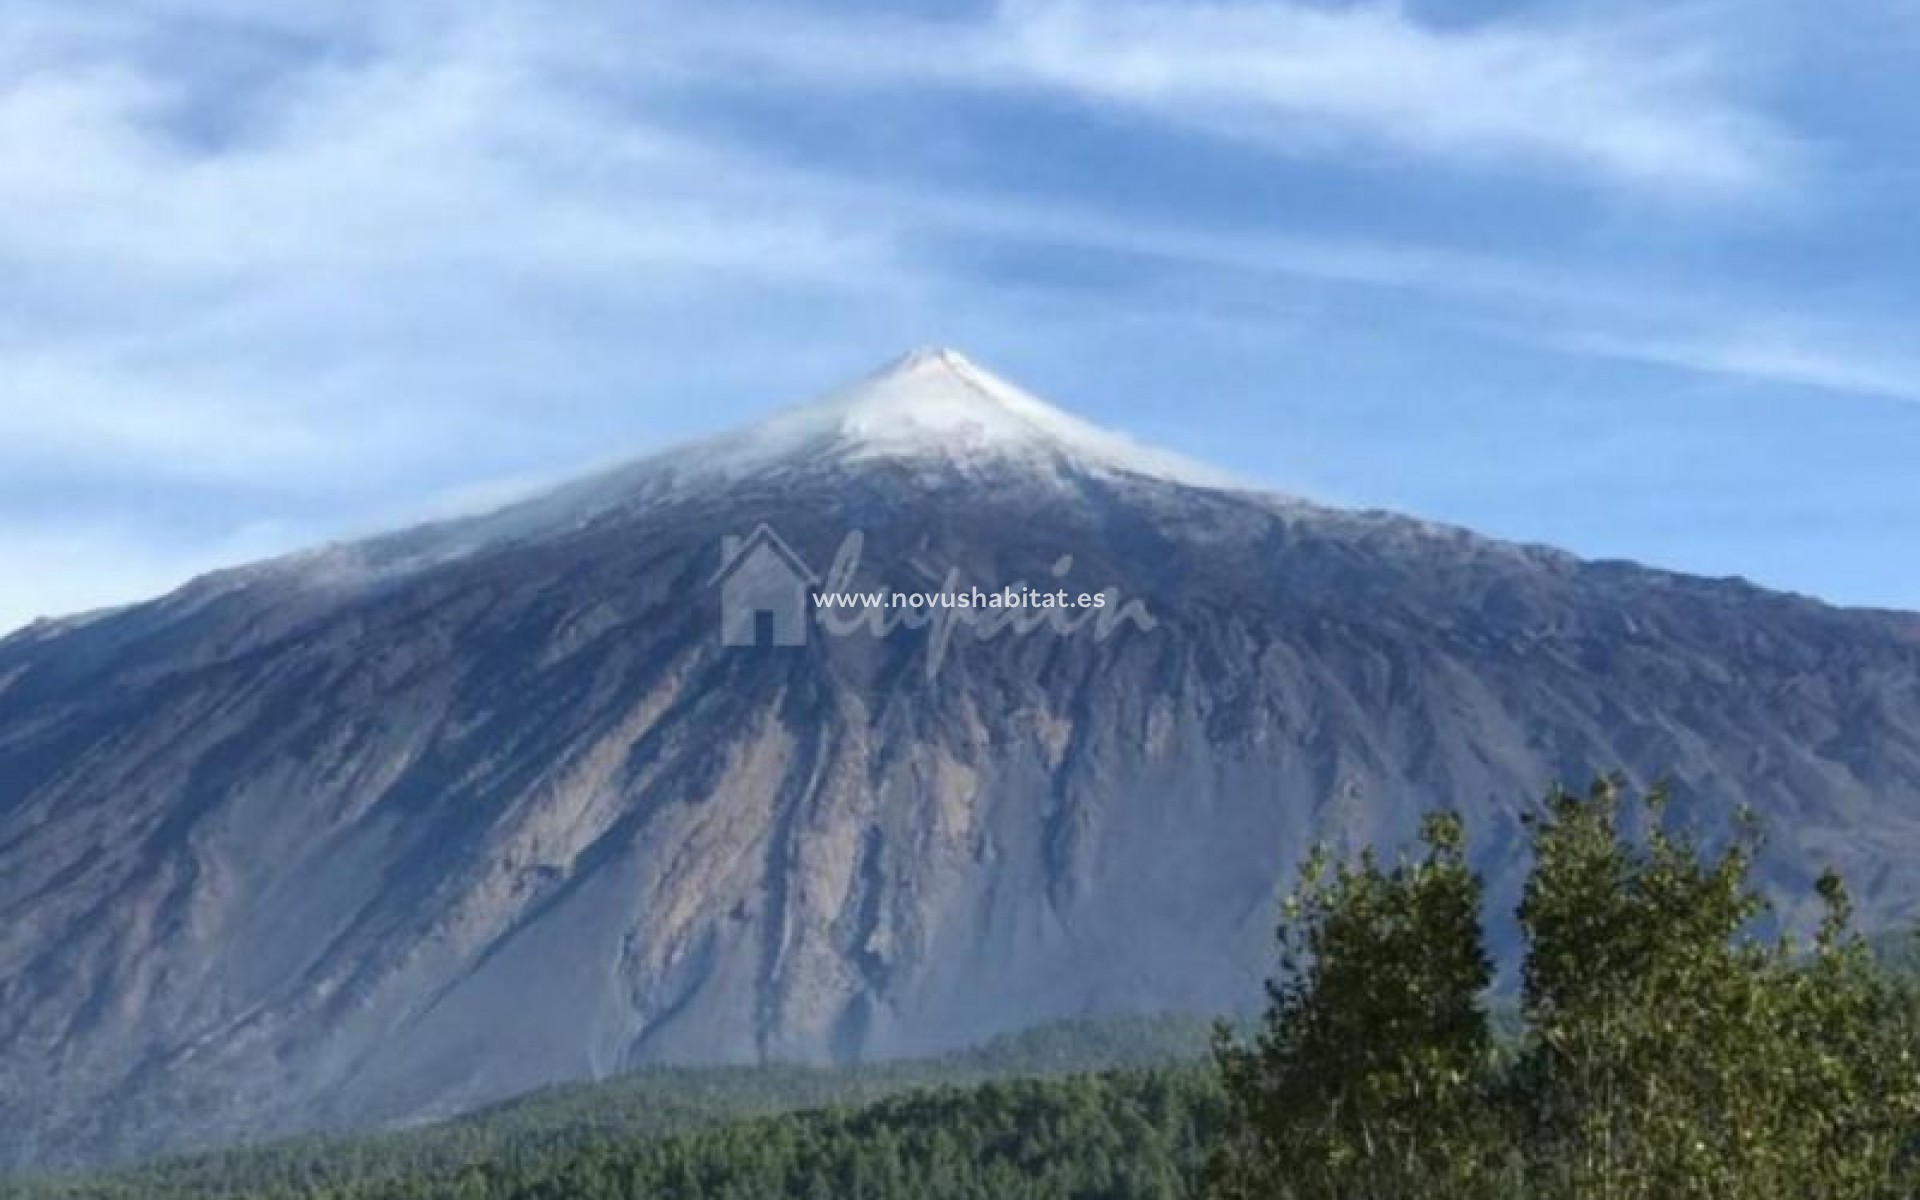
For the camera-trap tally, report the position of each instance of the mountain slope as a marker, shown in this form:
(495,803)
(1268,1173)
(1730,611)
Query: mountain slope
(388,830)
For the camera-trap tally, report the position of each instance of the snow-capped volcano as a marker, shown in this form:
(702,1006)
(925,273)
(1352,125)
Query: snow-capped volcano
(933,412)
(936,405)
(416,824)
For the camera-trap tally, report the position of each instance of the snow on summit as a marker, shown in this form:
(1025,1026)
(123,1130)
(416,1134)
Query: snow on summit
(929,399)
(937,405)
(932,410)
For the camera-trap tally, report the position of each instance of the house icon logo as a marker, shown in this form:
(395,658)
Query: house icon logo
(763,590)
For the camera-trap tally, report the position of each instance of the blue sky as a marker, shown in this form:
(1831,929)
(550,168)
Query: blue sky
(1635,279)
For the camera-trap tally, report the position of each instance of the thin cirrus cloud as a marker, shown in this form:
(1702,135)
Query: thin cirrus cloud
(244,310)
(1610,104)
(1617,103)
(1777,355)
(453,152)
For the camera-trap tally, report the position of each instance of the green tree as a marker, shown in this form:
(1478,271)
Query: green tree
(1665,1051)
(1837,1078)
(1368,1076)
(1671,1054)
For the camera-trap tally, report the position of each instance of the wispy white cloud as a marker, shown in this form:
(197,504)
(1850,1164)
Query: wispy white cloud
(82,413)
(1780,354)
(1620,103)
(1609,101)
(462,150)
(210,308)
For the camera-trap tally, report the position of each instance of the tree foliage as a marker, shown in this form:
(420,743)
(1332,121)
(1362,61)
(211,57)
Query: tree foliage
(1666,1051)
(549,1126)
(1119,1136)
(1671,1053)
(1368,1077)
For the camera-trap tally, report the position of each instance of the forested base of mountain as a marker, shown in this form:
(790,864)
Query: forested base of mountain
(1122,1136)
(528,1136)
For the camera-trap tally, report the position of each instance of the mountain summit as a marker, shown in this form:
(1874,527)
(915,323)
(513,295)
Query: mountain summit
(388,831)
(938,405)
(931,413)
